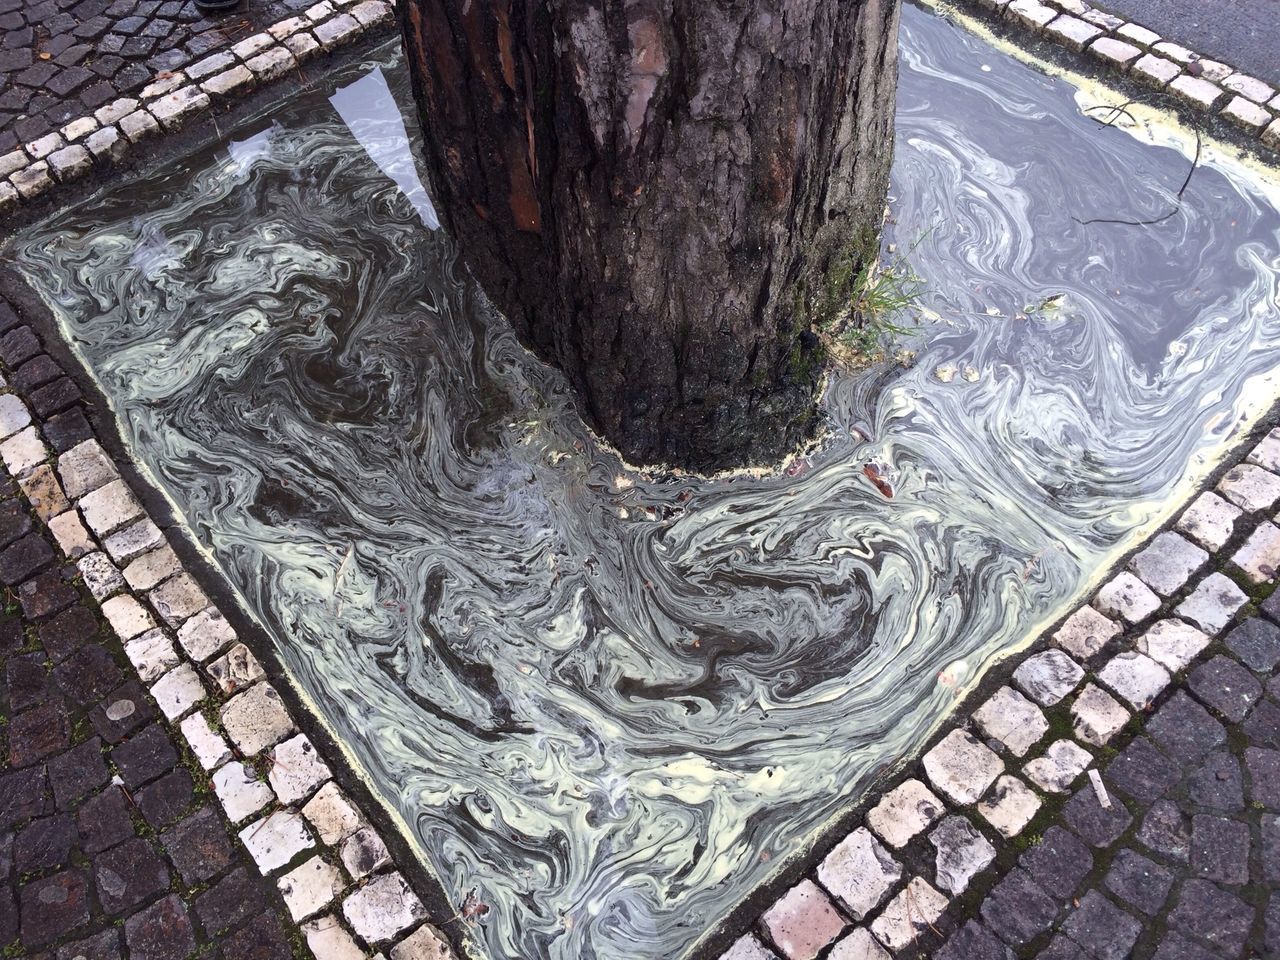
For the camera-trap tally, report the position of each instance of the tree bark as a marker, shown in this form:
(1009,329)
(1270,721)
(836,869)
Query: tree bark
(666,198)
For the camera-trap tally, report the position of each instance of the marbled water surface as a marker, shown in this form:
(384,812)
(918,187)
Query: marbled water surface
(607,702)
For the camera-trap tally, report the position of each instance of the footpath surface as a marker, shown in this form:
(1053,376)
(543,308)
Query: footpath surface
(1114,794)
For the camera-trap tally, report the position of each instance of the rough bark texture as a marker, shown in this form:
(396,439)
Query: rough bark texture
(664,196)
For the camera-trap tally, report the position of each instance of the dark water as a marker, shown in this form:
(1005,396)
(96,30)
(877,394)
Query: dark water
(611,703)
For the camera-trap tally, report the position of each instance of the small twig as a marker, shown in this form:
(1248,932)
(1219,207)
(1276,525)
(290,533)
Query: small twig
(1195,162)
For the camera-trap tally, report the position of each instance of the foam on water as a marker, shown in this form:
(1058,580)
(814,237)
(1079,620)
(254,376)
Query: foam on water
(607,701)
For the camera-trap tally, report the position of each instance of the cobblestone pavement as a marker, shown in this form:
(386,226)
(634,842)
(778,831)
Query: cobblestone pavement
(1113,794)
(1245,33)
(157,798)
(63,59)
(110,837)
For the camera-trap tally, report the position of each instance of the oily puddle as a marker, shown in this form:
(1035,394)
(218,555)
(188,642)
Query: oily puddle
(611,703)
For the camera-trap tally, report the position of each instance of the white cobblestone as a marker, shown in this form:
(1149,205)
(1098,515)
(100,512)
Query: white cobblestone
(207,744)
(904,812)
(1246,114)
(1072,32)
(1048,676)
(133,540)
(41,487)
(276,840)
(1259,555)
(364,852)
(1097,716)
(909,914)
(288,27)
(9,199)
(1196,91)
(302,46)
(1085,632)
(859,872)
(41,147)
(206,634)
(372,12)
(1250,487)
(383,908)
(164,83)
(14,415)
(1012,719)
(73,539)
(329,940)
(1267,452)
(296,769)
(256,719)
(230,81)
(425,943)
(858,945)
(1213,70)
(1135,677)
(1029,13)
(961,768)
(152,568)
(84,468)
(250,46)
(1127,598)
(115,111)
(1115,52)
(961,854)
(1172,644)
(101,577)
(70,162)
(109,507)
(239,791)
(128,618)
(1271,135)
(272,63)
(139,125)
(1009,806)
(333,33)
(1213,603)
(152,655)
(318,12)
(1138,35)
(1167,562)
(178,691)
(236,669)
(31,181)
(12,161)
(1058,768)
(1154,71)
(215,63)
(332,815)
(178,598)
(173,109)
(23,451)
(309,888)
(1210,520)
(1175,52)
(107,144)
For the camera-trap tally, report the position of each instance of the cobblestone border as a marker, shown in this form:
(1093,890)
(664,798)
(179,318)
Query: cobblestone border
(1198,82)
(173,98)
(330,864)
(962,812)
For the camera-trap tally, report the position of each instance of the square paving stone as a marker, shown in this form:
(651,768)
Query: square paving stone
(1017,909)
(1168,562)
(1207,911)
(1175,946)
(1271,848)
(1212,604)
(160,932)
(77,772)
(28,681)
(1141,883)
(68,632)
(1262,727)
(104,820)
(1135,677)
(88,675)
(1058,862)
(144,756)
(23,794)
(1226,687)
(1210,520)
(199,846)
(104,945)
(53,907)
(1166,831)
(1009,806)
(166,799)
(1085,633)
(1271,930)
(262,939)
(229,901)
(962,853)
(1097,716)
(1104,930)
(1185,729)
(1048,677)
(129,874)
(961,768)
(802,922)
(38,733)
(1127,597)
(973,941)
(47,594)
(1143,772)
(1095,824)
(1172,644)
(1257,643)
(1012,719)
(124,710)
(1217,783)
(1264,774)
(1062,947)
(904,812)
(44,844)
(1220,849)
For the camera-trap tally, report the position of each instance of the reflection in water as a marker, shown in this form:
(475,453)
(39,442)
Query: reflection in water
(611,702)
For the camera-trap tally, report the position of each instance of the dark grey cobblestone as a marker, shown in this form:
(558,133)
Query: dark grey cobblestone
(62,59)
(144,866)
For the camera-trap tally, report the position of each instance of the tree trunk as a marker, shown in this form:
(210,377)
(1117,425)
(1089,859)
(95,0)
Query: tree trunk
(666,198)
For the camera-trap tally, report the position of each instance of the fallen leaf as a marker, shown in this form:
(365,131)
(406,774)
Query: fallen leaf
(872,473)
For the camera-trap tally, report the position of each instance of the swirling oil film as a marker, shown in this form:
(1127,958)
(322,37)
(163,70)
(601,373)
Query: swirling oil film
(609,702)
